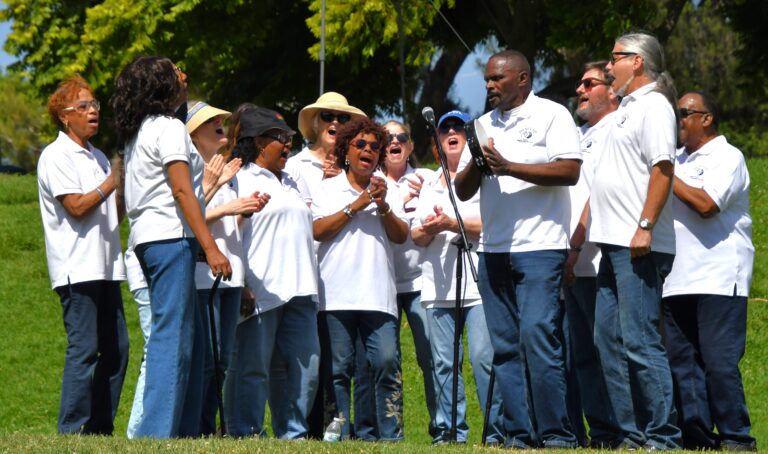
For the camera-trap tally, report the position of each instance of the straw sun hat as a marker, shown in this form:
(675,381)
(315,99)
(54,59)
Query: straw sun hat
(327,101)
(198,112)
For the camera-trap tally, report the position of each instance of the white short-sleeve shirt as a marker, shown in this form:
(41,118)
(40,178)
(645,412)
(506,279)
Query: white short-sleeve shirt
(226,233)
(593,140)
(519,216)
(357,270)
(713,254)
(408,255)
(152,210)
(277,241)
(85,249)
(306,171)
(642,134)
(438,286)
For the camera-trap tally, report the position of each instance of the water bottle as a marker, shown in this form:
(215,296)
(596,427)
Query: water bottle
(333,431)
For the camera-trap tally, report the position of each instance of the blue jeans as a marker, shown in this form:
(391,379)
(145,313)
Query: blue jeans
(520,294)
(442,326)
(174,361)
(580,309)
(635,365)
(96,357)
(410,304)
(283,339)
(378,332)
(226,307)
(141,296)
(705,338)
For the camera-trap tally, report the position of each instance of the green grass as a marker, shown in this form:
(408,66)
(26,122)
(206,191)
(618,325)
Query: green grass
(32,353)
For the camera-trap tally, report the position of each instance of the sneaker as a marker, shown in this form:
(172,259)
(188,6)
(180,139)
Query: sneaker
(735,446)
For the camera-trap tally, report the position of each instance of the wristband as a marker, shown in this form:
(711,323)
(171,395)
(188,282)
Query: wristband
(348,211)
(101,193)
(384,212)
(575,249)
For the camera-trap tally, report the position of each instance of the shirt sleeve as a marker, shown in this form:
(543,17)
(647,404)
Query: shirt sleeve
(658,136)
(63,175)
(727,179)
(173,142)
(563,137)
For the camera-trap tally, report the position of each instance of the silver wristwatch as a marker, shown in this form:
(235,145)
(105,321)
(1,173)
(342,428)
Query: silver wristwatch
(645,224)
(348,211)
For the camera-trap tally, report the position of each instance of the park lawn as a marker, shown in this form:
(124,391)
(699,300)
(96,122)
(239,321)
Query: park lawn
(32,355)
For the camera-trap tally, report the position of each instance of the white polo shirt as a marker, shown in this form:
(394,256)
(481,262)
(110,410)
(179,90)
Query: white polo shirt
(306,170)
(713,254)
(277,241)
(642,134)
(78,250)
(408,255)
(593,140)
(152,210)
(357,268)
(519,216)
(226,233)
(438,286)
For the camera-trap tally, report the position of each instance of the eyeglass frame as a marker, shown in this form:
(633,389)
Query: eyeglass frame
(612,58)
(446,127)
(283,137)
(83,106)
(329,117)
(361,143)
(686,112)
(402,137)
(590,83)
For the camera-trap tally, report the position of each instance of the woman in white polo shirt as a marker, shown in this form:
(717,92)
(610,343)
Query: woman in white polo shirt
(356,220)
(281,276)
(435,227)
(82,243)
(167,230)
(403,176)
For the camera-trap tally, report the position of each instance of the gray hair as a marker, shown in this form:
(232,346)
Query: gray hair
(648,47)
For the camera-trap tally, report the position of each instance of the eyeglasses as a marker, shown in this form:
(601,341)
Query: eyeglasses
(328,117)
(83,106)
(361,143)
(282,137)
(685,113)
(590,82)
(401,137)
(445,127)
(622,55)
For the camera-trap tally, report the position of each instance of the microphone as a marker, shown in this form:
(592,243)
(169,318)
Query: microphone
(429,115)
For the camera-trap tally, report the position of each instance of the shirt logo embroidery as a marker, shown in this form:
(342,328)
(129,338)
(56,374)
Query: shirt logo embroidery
(526,134)
(621,120)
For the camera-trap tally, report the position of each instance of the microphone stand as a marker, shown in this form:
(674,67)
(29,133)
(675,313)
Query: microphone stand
(463,247)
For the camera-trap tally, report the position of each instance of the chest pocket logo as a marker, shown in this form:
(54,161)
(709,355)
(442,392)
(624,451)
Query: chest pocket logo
(526,134)
(587,145)
(621,120)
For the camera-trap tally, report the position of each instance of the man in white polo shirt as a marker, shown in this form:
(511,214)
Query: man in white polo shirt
(705,294)
(534,154)
(595,105)
(632,222)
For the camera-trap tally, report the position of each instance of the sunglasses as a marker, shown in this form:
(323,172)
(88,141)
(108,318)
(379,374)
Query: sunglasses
(401,137)
(328,117)
(83,106)
(685,113)
(282,137)
(590,82)
(445,127)
(361,143)
(622,55)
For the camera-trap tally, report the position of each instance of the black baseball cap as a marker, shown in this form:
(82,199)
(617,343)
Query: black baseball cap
(256,121)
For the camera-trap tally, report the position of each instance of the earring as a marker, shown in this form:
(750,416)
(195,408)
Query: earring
(346,162)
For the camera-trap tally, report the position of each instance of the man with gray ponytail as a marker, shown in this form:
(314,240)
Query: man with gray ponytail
(631,220)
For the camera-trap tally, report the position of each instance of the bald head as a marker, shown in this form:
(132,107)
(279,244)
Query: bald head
(507,79)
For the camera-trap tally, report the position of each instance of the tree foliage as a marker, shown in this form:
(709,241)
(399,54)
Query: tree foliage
(267,51)
(24,127)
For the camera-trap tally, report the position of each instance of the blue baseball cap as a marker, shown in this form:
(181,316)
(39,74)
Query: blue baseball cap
(454,114)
